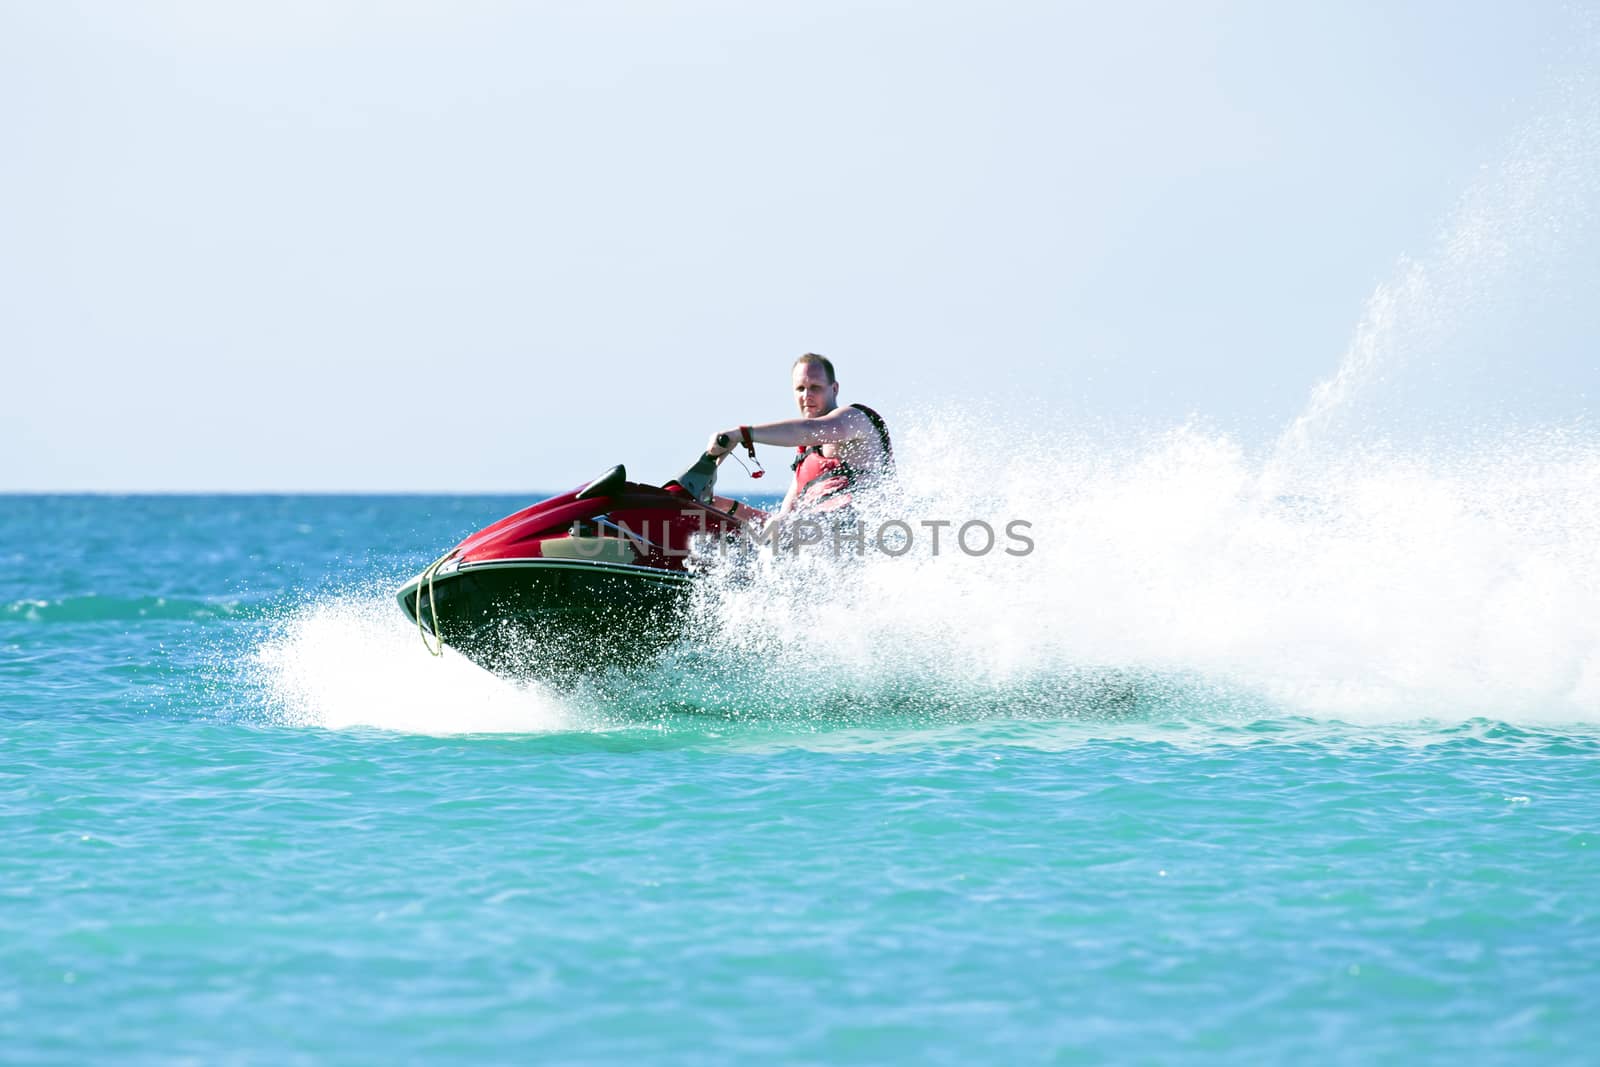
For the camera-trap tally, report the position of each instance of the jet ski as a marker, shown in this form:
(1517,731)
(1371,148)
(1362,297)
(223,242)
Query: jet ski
(594,577)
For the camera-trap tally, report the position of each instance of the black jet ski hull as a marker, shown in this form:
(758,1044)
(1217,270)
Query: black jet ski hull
(551,618)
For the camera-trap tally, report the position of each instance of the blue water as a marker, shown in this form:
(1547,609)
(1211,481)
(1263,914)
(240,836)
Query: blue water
(247,817)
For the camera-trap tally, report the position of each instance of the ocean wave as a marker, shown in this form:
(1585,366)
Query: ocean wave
(90,607)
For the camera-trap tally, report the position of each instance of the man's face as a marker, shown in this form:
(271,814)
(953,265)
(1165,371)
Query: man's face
(812,392)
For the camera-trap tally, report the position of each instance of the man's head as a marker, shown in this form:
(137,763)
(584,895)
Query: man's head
(816,391)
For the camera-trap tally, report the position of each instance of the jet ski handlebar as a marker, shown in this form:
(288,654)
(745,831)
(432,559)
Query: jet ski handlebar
(701,477)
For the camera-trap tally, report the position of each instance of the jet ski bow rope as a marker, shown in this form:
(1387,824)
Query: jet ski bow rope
(436,646)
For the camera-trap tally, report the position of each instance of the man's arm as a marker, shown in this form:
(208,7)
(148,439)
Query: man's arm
(843,424)
(750,516)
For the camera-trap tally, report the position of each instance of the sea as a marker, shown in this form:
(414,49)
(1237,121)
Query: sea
(1243,761)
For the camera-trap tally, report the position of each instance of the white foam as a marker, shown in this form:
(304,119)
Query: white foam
(1516,223)
(353,660)
(1378,585)
(1179,574)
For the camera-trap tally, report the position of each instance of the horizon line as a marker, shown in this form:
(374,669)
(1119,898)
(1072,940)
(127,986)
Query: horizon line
(298,492)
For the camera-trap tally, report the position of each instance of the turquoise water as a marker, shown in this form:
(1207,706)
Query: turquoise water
(248,818)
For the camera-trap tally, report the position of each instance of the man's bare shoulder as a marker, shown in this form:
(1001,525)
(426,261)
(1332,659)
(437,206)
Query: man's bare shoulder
(856,420)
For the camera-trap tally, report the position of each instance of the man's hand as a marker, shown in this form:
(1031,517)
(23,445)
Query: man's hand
(723,442)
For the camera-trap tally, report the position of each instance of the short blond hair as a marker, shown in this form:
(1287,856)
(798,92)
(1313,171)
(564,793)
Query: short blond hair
(816,361)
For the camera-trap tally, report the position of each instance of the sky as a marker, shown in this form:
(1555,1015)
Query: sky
(330,245)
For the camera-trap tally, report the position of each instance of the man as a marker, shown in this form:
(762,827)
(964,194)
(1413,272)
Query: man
(841,451)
